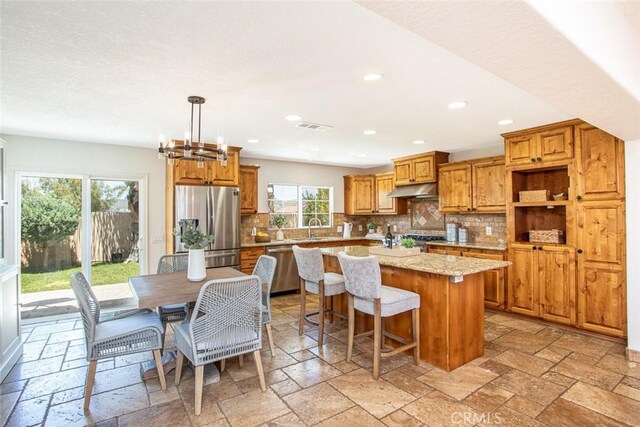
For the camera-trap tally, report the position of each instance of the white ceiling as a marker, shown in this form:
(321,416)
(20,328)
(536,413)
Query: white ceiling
(120,72)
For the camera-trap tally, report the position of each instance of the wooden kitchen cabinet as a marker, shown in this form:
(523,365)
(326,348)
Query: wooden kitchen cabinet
(522,290)
(225,175)
(494,283)
(367,195)
(599,164)
(419,168)
(539,145)
(454,187)
(249,258)
(187,172)
(488,184)
(472,186)
(248,178)
(601,267)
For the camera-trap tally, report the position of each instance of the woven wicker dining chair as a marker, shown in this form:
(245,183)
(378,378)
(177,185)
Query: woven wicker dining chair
(172,312)
(135,331)
(366,294)
(265,269)
(226,322)
(313,279)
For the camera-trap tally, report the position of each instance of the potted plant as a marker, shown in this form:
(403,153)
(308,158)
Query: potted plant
(279,221)
(408,243)
(195,241)
(372,226)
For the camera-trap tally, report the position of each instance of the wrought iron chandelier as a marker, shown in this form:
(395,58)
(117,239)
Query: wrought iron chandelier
(189,149)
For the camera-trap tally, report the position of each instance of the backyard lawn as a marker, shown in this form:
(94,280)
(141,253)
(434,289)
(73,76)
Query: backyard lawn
(105,273)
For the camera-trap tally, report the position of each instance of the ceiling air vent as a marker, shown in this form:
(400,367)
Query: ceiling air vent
(313,126)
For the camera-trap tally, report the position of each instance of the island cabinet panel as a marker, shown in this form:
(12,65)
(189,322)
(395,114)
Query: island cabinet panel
(248,189)
(556,278)
(493,280)
(451,314)
(454,188)
(600,164)
(522,291)
(488,185)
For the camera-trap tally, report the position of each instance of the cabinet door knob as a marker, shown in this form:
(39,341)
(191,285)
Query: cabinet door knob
(579,251)
(539,159)
(534,248)
(468,209)
(539,248)
(579,197)
(533,160)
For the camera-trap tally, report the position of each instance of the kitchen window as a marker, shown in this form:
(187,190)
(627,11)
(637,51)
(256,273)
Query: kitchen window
(299,204)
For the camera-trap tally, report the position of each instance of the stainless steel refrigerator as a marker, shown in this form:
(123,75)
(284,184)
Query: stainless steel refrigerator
(216,210)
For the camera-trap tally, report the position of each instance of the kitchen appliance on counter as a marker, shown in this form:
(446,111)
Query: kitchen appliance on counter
(346,230)
(216,210)
(452,232)
(422,239)
(463,235)
(285,278)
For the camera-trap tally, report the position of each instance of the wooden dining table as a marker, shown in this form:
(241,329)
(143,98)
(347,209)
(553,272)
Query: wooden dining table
(154,290)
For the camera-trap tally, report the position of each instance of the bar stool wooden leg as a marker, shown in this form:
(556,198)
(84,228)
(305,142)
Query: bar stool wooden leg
(198,386)
(377,338)
(352,323)
(179,363)
(320,313)
(303,308)
(331,309)
(241,360)
(416,335)
(223,365)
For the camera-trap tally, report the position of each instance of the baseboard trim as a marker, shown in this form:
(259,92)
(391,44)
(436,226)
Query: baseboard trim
(633,355)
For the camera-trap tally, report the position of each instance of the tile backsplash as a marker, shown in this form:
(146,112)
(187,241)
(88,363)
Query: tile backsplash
(423,215)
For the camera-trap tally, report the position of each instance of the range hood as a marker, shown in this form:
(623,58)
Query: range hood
(421,191)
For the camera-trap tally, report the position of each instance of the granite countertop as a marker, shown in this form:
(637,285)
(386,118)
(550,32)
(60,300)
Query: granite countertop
(488,246)
(446,265)
(300,241)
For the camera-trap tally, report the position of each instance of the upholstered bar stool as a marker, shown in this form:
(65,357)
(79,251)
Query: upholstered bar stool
(313,279)
(367,294)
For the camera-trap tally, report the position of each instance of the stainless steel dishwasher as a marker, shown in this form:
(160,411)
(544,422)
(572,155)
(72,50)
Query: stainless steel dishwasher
(286,276)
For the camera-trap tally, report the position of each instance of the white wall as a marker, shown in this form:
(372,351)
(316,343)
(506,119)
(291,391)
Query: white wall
(632,171)
(38,155)
(274,171)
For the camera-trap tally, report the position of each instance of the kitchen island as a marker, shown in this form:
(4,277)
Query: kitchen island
(451,302)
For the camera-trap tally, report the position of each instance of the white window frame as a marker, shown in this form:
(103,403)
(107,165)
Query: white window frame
(299,188)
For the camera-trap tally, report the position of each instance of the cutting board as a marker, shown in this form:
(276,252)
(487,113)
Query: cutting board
(397,252)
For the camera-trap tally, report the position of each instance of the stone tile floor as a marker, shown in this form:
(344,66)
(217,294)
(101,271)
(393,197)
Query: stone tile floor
(532,374)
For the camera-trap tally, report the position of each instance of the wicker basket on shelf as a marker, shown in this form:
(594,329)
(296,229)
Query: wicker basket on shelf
(546,236)
(535,196)
(263,239)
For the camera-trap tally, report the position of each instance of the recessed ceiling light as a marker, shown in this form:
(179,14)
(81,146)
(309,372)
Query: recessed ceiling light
(369,132)
(418,141)
(253,141)
(362,155)
(315,149)
(372,77)
(457,104)
(505,122)
(293,118)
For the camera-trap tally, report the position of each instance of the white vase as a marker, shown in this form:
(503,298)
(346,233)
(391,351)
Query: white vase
(197,271)
(279,234)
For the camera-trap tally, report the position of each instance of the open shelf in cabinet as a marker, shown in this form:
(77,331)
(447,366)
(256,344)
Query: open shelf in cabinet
(556,180)
(539,218)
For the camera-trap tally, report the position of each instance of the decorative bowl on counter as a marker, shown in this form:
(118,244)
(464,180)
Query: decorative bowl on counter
(262,238)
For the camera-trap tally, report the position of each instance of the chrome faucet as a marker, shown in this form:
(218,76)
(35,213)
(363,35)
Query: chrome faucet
(319,223)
